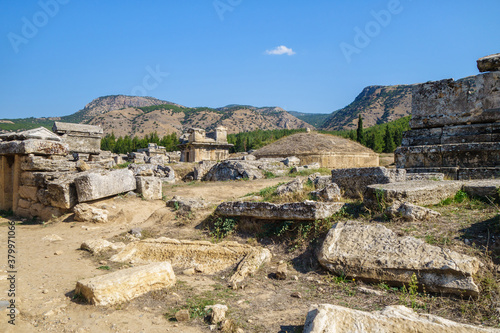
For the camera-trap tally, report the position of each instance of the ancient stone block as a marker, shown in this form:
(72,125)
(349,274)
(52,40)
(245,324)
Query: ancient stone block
(80,138)
(293,186)
(374,253)
(232,170)
(307,210)
(29,193)
(353,181)
(44,213)
(202,169)
(40,163)
(149,187)
(27,179)
(327,318)
(124,285)
(98,246)
(483,188)
(436,176)
(330,192)
(87,213)
(62,191)
(489,63)
(475,99)
(93,186)
(40,133)
(205,256)
(410,212)
(186,204)
(416,192)
(33,146)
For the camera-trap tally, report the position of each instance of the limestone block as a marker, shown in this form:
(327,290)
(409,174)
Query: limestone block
(149,187)
(62,191)
(232,170)
(483,188)
(410,212)
(27,178)
(33,146)
(205,256)
(218,313)
(424,192)
(291,161)
(98,246)
(353,181)
(295,185)
(489,63)
(186,204)
(437,176)
(330,192)
(307,210)
(321,181)
(82,144)
(124,285)
(202,169)
(40,133)
(23,204)
(41,163)
(474,99)
(374,253)
(94,185)
(87,213)
(44,213)
(28,192)
(327,318)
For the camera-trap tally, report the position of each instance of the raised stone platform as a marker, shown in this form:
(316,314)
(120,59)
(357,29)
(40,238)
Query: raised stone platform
(307,210)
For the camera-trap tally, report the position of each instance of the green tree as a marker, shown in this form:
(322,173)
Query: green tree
(389,144)
(360,137)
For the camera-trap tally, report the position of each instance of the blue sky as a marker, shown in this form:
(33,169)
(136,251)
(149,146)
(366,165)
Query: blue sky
(309,56)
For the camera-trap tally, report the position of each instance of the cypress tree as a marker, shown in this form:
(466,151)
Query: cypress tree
(360,137)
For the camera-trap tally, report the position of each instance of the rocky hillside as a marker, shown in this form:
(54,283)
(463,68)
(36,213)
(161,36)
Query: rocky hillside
(138,116)
(168,118)
(376,104)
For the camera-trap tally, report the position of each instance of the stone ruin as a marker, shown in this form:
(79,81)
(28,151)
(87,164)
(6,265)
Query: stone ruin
(45,174)
(455,126)
(196,145)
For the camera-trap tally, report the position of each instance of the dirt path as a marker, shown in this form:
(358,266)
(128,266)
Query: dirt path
(47,270)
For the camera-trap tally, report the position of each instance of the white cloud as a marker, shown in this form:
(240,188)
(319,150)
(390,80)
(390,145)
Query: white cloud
(279,50)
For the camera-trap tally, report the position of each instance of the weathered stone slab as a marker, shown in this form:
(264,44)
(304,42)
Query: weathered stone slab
(28,192)
(307,210)
(353,181)
(489,63)
(327,318)
(93,186)
(202,169)
(426,192)
(474,99)
(149,187)
(410,212)
(124,285)
(330,192)
(33,146)
(293,186)
(186,204)
(483,188)
(374,253)
(61,192)
(205,257)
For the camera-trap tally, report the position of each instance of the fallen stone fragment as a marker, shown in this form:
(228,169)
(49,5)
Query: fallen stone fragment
(410,212)
(294,186)
(321,181)
(327,318)
(186,204)
(312,166)
(205,257)
(369,291)
(436,176)
(354,181)
(218,313)
(291,161)
(374,253)
(97,185)
(329,193)
(426,192)
(124,285)
(149,187)
(182,315)
(233,170)
(86,213)
(97,246)
(307,210)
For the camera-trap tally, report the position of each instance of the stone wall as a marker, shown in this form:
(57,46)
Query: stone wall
(455,128)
